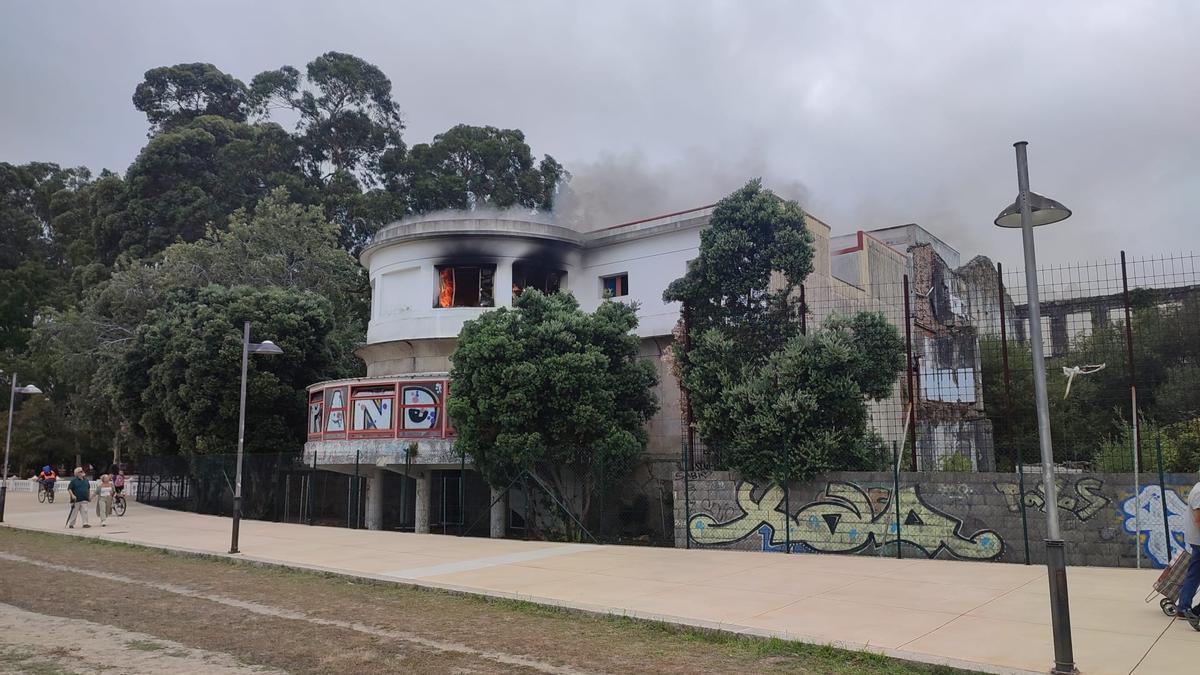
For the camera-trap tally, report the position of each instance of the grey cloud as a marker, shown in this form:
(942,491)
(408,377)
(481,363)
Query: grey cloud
(873,114)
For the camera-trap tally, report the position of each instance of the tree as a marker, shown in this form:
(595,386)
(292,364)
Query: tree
(547,387)
(180,378)
(773,402)
(85,351)
(194,176)
(470,167)
(172,96)
(348,118)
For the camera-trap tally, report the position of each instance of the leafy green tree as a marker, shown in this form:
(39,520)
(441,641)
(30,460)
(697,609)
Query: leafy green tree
(172,96)
(469,167)
(180,377)
(348,118)
(547,387)
(773,402)
(33,263)
(194,176)
(85,350)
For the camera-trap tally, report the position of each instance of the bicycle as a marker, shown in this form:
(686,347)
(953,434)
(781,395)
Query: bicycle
(119,504)
(45,493)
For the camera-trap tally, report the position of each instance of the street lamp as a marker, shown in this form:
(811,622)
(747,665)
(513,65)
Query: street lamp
(1029,211)
(12,398)
(267,348)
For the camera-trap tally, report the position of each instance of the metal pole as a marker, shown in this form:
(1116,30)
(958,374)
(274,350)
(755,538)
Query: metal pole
(787,519)
(237,482)
(687,501)
(462,500)
(1018,454)
(1137,427)
(12,397)
(912,391)
(896,496)
(357,493)
(1162,491)
(1060,612)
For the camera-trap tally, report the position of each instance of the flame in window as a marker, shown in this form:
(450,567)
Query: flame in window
(446,289)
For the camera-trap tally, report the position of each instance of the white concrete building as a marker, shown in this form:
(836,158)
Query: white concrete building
(429,275)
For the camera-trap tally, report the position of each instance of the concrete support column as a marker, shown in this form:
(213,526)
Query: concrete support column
(375,500)
(424,497)
(499,513)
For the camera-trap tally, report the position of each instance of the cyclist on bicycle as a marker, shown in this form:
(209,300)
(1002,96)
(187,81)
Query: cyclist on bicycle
(119,481)
(47,478)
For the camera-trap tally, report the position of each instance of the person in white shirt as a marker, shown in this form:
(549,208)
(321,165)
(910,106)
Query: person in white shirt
(1187,592)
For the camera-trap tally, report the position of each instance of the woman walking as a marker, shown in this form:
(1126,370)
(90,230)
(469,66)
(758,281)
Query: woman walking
(104,499)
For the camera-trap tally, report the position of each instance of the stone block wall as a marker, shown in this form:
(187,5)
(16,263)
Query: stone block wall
(965,516)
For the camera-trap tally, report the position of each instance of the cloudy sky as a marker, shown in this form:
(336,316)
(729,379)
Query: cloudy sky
(872,114)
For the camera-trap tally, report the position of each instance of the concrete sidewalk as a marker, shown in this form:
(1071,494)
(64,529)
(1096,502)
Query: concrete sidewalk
(987,616)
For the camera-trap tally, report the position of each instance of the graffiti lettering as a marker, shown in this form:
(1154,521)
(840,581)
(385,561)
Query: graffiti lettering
(1145,519)
(1085,503)
(847,519)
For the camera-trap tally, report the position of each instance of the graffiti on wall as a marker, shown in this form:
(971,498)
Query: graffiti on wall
(1086,501)
(846,519)
(1143,517)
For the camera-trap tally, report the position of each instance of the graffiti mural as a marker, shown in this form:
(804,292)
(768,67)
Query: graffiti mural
(846,519)
(1143,517)
(1086,501)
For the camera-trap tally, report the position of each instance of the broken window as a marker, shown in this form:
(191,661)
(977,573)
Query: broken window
(465,285)
(615,286)
(543,279)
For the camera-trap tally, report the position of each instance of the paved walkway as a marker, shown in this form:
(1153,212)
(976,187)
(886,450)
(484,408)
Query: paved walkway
(988,616)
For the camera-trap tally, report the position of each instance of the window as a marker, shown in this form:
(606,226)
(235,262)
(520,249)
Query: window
(373,406)
(615,286)
(465,285)
(315,407)
(543,279)
(420,409)
(335,403)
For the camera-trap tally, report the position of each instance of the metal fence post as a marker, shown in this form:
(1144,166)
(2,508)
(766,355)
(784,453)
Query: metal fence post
(1137,436)
(912,391)
(1018,459)
(896,496)
(787,518)
(1162,492)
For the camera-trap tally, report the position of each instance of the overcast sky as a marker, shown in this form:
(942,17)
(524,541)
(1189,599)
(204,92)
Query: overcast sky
(872,114)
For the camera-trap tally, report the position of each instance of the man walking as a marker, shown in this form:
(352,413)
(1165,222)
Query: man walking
(1187,592)
(81,491)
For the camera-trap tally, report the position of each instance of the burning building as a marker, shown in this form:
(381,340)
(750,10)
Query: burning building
(429,275)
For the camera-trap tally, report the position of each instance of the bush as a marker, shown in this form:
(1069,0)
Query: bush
(1180,448)
(955,462)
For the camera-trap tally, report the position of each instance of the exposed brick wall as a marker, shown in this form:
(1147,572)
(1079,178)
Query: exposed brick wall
(970,516)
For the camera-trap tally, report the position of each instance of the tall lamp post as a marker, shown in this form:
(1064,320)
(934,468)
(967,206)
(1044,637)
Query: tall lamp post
(1029,211)
(12,398)
(265,347)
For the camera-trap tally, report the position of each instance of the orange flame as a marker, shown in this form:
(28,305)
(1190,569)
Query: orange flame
(446,291)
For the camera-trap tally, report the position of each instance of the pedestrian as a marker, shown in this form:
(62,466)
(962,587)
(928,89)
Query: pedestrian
(81,492)
(1191,581)
(104,499)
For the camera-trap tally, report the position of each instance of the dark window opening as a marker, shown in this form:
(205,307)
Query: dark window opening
(465,285)
(616,285)
(543,279)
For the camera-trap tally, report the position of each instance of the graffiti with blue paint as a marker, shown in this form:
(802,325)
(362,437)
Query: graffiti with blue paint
(1143,517)
(846,519)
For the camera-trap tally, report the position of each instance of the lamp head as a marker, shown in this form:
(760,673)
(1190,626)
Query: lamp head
(265,347)
(1042,211)
(29,389)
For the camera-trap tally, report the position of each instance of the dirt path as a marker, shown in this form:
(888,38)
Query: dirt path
(302,622)
(26,640)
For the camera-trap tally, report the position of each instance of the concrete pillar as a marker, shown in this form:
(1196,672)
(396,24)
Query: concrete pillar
(375,500)
(424,497)
(499,513)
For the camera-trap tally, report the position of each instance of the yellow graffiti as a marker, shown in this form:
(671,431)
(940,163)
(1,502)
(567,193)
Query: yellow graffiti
(848,519)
